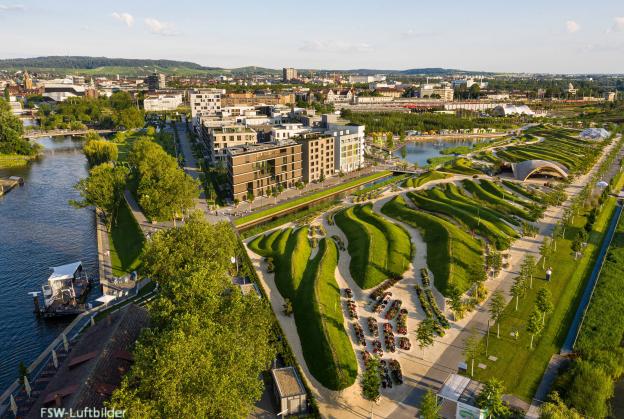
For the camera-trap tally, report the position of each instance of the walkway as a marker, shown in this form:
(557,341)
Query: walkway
(191,167)
(105,265)
(56,132)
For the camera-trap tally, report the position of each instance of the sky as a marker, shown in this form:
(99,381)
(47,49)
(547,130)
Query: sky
(547,36)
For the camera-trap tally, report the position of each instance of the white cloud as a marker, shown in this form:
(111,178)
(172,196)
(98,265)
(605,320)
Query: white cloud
(335,46)
(618,24)
(572,26)
(157,27)
(124,17)
(11,8)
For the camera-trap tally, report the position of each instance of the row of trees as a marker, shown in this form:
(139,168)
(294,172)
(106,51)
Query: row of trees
(11,133)
(208,344)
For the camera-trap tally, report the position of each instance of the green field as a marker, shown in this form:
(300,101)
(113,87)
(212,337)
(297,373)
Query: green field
(379,249)
(308,198)
(520,368)
(126,242)
(424,178)
(451,252)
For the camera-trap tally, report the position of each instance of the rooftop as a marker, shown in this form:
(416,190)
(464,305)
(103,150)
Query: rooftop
(253,148)
(287,382)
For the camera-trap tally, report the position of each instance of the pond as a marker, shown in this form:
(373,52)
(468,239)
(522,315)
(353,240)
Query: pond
(420,151)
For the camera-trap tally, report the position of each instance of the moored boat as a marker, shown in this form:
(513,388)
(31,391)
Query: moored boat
(64,291)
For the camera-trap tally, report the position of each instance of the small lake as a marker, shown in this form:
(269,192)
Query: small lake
(39,229)
(420,151)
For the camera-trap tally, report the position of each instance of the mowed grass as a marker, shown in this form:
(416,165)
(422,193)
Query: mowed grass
(290,250)
(326,346)
(451,252)
(378,248)
(494,201)
(126,243)
(424,178)
(519,367)
(603,325)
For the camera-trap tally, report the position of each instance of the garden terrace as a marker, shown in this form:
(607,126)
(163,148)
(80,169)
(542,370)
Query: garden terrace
(494,201)
(379,249)
(451,252)
(496,189)
(460,166)
(415,182)
(318,315)
(435,201)
(488,213)
(525,191)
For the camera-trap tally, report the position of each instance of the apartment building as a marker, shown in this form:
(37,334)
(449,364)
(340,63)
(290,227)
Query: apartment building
(287,130)
(156,81)
(444,92)
(349,142)
(218,139)
(205,102)
(253,170)
(318,156)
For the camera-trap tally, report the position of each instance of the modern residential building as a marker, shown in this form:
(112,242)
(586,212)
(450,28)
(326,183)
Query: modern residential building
(164,102)
(317,155)
(252,99)
(205,102)
(289,74)
(349,143)
(287,130)
(254,170)
(218,139)
(156,81)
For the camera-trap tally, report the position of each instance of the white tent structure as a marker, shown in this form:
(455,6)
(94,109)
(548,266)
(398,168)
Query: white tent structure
(594,134)
(507,110)
(462,391)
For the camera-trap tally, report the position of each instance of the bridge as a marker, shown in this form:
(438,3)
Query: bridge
(31,135)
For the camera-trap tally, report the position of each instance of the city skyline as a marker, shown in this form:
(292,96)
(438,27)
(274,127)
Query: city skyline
(560,37)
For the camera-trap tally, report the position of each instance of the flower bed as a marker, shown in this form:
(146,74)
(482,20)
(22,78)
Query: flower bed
(424,275)
(395,369)
(393,310)
(352,309)
(359,333)
(404,343)
(389,337)
(436,310)
(382,301)
(386,381)
(379,291)
(377,348)
(372,326)
(402,322)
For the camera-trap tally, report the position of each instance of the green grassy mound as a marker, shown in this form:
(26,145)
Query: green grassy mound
(426,177)
(451,252)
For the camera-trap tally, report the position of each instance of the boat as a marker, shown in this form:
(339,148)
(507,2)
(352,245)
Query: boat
(64,291)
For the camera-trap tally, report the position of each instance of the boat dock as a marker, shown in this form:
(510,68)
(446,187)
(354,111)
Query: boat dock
(8,183)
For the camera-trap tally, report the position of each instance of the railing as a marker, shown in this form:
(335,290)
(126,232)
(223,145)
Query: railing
(71,332)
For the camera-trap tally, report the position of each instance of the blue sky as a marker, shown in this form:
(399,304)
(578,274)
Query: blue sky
(528,36)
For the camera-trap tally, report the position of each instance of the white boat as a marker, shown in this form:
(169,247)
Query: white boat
(64,291)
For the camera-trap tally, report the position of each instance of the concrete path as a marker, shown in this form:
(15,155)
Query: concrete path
(105,265)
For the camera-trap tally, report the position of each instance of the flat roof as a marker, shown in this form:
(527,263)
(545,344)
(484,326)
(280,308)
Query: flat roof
(459,388)
(64,271)
(252,148)
(288,382)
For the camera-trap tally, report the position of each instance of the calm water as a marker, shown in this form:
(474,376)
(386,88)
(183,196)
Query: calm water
(38,229)
(419,152)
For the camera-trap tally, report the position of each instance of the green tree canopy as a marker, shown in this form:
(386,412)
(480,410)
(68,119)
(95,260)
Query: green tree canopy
(491,398)
(99,151)
(11,133)
(429,408)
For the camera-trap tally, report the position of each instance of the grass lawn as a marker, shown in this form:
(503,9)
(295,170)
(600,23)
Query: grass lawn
(494,200)
(305,199)
(519,367)
(426,177)
(451,252)
(318,314)
(126,243)
(10,161)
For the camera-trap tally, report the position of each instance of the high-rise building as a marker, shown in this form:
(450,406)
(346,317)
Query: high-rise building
(254,170)
(289,73)
(205,102)
(156,81)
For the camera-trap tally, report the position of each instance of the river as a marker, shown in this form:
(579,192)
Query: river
(420,151)
(39,229)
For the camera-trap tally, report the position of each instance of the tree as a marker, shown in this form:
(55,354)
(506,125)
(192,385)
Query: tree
(545,251)
(389,141)
(534,325)
(527,268)
(555,408)
(371,380)
(477,276)
(491,398)
(497,307)
(103,189)
(287,307)
(455,302)
(11,132)
(472,349)
(544,302)
(100,151)
(429,408)
(518,289)
(424,334)
(195,359)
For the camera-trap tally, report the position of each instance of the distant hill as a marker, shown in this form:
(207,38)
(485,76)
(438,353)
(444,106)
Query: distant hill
(90,63)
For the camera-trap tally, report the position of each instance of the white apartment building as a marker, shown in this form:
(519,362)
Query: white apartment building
(348,146)
(205,102)
(164,102)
